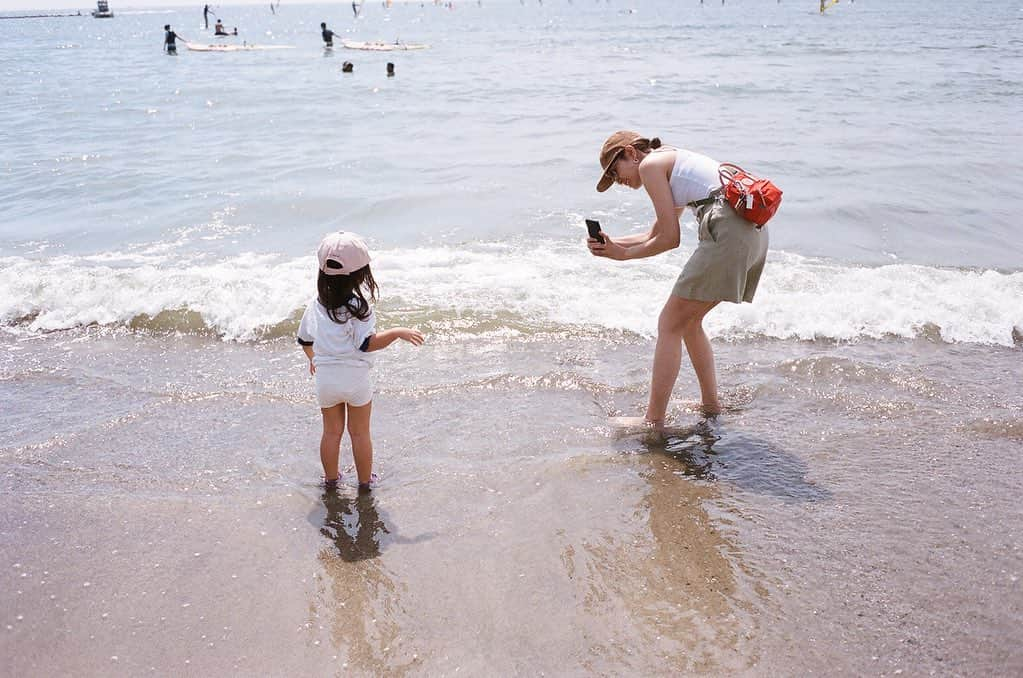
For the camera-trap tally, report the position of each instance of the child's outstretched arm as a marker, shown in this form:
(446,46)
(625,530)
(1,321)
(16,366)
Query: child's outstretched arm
(383,339)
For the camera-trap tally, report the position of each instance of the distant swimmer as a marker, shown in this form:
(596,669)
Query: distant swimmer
(328,35)
(347,67)
(169,38)
(390,69)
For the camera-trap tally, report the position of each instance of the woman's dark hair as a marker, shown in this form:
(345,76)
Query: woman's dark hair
(344,295)
(646,145)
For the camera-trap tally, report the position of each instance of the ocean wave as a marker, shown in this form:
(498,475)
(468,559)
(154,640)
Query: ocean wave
(510,289)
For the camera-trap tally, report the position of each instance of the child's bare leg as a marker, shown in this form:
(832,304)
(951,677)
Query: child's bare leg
(362,442)
(330,442)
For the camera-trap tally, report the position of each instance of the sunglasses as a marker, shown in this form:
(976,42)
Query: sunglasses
(611,173)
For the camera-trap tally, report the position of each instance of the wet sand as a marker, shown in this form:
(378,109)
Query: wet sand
(855,512)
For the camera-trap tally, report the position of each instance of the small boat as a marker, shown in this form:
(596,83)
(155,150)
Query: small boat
(102,10)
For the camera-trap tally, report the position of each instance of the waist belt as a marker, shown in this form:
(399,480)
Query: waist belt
(711,197)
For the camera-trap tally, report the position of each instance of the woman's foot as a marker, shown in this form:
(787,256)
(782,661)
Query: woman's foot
(711,409)
(636,422)
(707,410)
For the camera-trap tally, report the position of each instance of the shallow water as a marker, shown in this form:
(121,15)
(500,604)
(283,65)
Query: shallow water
(852,512)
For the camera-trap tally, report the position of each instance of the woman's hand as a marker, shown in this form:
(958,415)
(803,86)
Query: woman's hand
(312,368)
(414,337)
(608,249)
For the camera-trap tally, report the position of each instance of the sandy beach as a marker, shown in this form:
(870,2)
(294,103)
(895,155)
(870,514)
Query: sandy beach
(853,512)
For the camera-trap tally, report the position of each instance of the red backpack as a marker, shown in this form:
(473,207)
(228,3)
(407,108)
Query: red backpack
(754,199)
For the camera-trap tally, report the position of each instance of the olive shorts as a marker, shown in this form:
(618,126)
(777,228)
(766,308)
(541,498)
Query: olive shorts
(728,260)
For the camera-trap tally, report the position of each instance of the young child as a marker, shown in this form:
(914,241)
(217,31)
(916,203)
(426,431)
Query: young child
(338,334)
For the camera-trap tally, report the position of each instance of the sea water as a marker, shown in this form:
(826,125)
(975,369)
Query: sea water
(157,423)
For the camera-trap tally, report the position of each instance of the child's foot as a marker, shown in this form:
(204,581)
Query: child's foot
(374,479)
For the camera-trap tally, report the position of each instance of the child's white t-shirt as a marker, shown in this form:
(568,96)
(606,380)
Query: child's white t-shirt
(336,343)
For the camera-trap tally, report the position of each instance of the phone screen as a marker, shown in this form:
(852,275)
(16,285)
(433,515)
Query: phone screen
(593,226)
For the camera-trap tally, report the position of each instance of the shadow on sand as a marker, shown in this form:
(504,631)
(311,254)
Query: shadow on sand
(709,450)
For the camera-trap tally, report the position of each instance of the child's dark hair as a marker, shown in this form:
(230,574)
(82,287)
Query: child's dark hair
(345,292)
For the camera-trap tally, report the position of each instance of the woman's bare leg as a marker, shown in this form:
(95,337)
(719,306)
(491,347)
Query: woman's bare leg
(682,321)
(330,442)
(362,442)
(701,355)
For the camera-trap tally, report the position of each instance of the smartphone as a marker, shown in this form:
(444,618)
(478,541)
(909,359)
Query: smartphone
(593,226)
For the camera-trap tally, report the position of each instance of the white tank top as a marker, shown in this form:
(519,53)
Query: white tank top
(693,177)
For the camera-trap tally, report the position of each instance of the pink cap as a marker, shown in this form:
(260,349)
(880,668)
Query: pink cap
(347,249)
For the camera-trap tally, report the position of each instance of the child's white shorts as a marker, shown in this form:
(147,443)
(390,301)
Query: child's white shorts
(343,384)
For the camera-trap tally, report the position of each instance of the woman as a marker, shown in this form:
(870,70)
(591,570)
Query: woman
(726,265)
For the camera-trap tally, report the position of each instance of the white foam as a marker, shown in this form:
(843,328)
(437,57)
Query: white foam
(235,297)
(546,282)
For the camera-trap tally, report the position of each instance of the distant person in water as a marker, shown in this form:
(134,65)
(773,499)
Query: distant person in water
(219,29)
(206,15)
(390,69)
(355,9)
(347,67)
(328,35)
(169,38)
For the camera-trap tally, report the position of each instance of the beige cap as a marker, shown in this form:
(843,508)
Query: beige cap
(346,249)
(613,147)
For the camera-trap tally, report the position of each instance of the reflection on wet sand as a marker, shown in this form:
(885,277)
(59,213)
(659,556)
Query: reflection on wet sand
(353,524)
(683,582)
(715,594)
(360,598)
(682,591)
